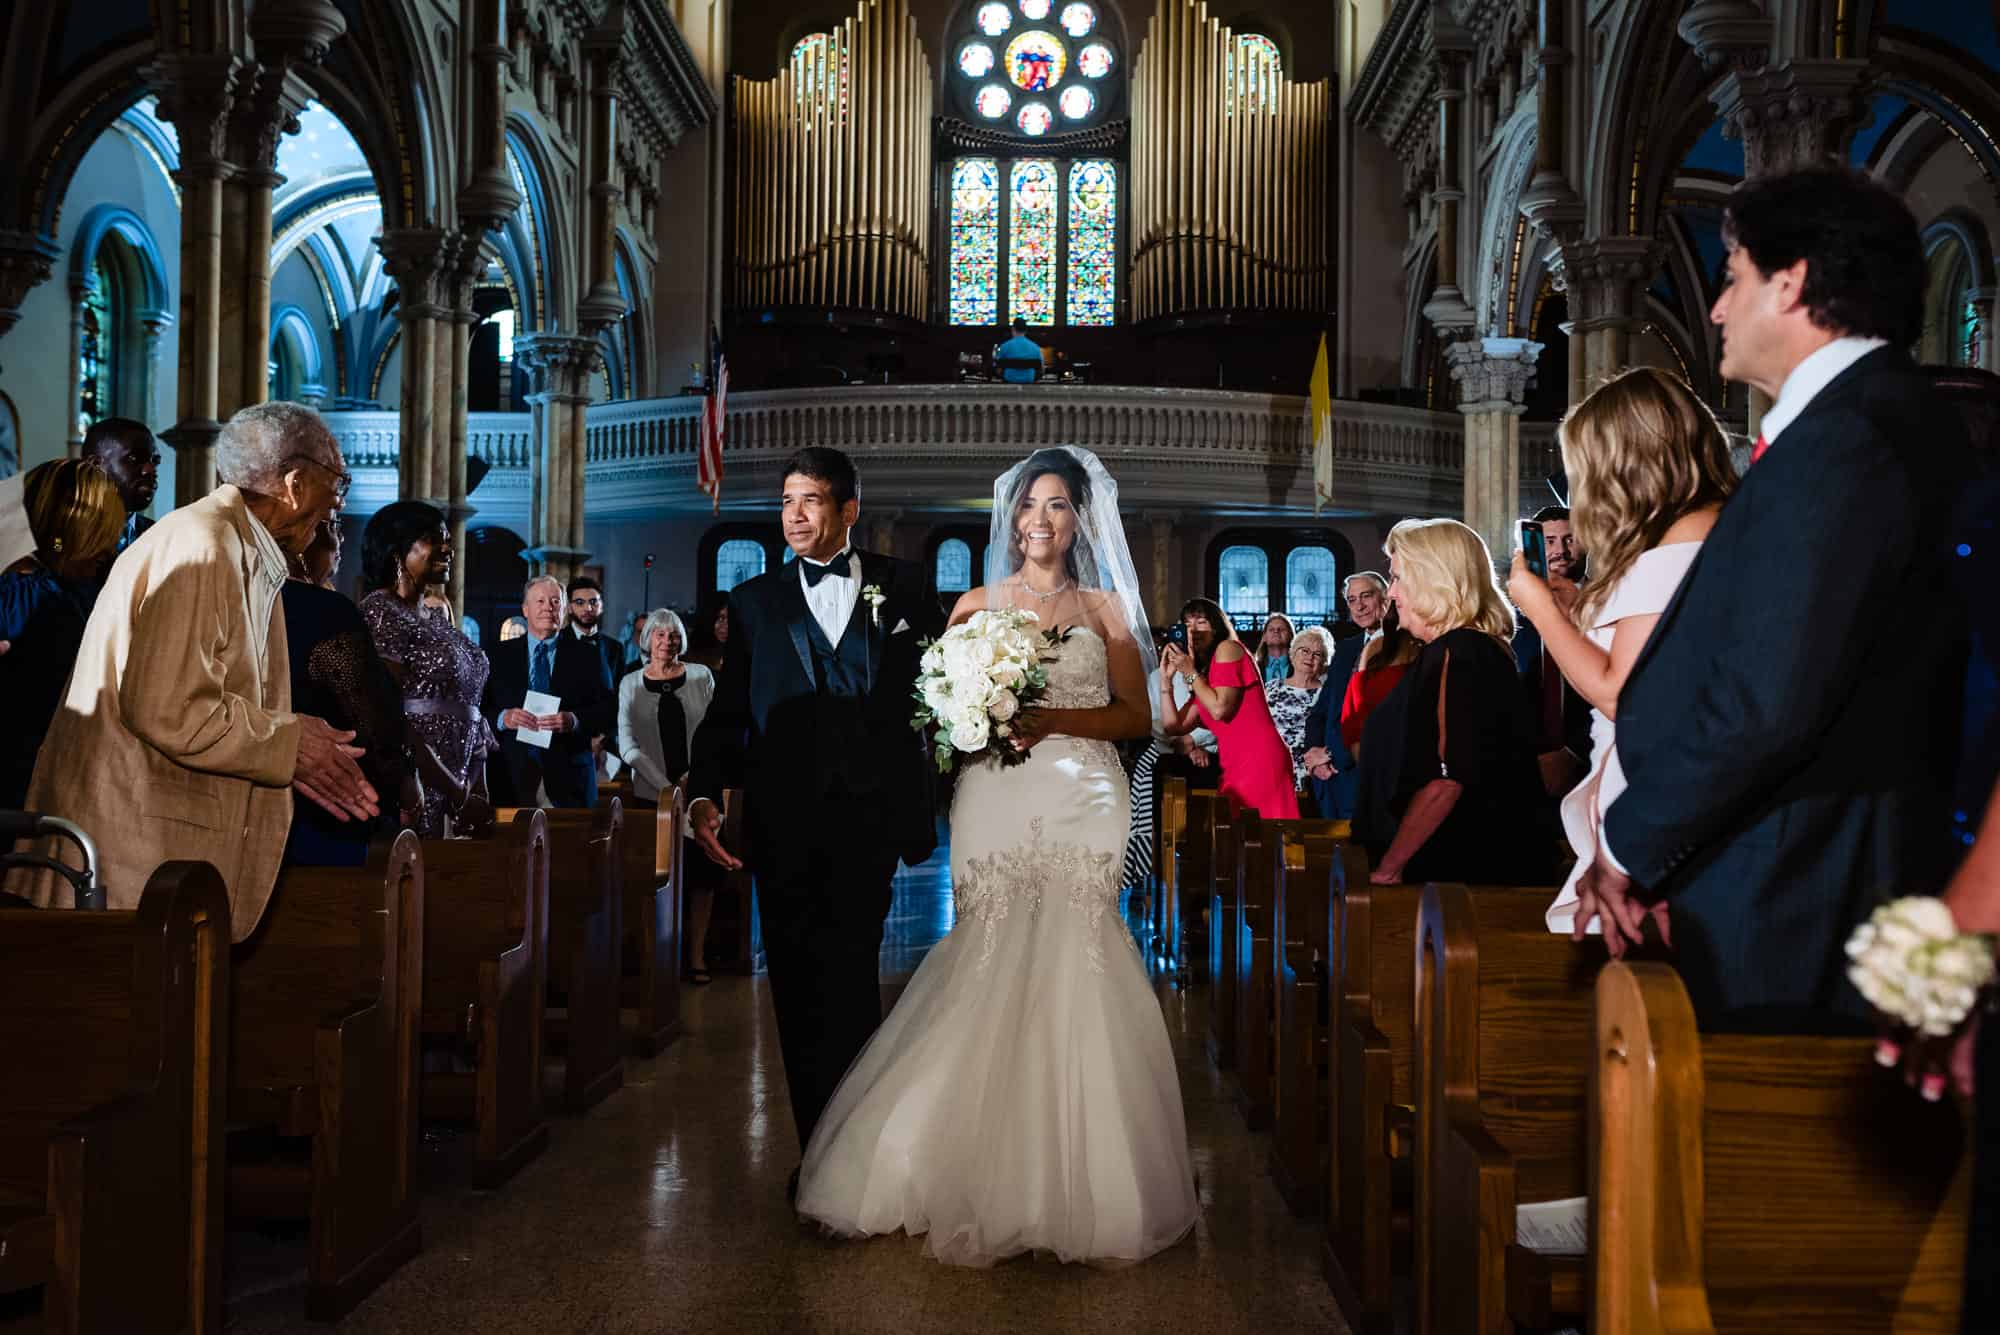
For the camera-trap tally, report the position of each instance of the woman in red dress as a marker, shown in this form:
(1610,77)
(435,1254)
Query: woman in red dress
(1227,698)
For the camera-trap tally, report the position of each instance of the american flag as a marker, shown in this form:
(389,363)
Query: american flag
(714,415)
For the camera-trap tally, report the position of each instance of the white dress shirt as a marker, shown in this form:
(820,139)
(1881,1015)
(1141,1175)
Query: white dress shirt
(831,601)
(1801,387)
(1808,378)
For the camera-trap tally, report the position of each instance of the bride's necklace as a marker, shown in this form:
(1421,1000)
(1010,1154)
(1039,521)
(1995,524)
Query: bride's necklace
(1044,597)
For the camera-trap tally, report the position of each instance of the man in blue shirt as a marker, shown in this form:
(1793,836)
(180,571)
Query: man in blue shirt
(1020,348)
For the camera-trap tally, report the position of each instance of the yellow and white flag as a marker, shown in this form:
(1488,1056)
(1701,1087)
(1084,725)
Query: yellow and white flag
(1322,429)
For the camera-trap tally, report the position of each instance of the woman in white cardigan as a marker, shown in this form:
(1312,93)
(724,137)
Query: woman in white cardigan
(659,708)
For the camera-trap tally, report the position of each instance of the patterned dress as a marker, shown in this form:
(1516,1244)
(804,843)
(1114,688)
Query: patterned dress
(1289,707)
(443,676)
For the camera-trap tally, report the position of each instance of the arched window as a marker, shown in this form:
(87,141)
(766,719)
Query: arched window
(1244,582)
(737,560)
(954,566)
(1312,583)
(1040,229)
(101,315)
(1953,335)
(819,68)
(1257,60)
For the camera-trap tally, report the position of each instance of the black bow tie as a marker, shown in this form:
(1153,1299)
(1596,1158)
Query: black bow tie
(815,572)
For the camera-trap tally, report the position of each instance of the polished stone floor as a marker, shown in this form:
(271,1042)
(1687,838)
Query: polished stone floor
(663,1210)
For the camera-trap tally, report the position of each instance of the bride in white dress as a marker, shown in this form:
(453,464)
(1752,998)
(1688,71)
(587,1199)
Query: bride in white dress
(1022,1096)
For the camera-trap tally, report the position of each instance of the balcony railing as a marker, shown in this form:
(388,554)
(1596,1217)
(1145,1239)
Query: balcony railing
(938,445)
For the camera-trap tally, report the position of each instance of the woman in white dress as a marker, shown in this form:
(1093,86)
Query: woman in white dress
(1649,470)
(1023,1096)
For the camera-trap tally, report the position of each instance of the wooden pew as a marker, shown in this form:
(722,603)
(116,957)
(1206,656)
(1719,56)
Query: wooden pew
(1372,936)
(1307,867)
(1168,891)
(111,1110)
(1769,1184)
(324,1020)
(585,903)
(1503,1047)
(1257,882)
(486,943)
(1193,859)
(1225,829)
(650,874)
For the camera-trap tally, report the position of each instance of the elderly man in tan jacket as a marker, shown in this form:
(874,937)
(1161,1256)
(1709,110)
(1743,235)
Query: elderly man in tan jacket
(175,737)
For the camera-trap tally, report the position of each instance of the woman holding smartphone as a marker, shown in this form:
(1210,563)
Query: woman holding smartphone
(1649,470)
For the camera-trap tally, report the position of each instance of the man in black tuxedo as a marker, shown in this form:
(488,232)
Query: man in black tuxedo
(573,671)
(1329,763)
(811,719)
(1789,752)
(586,623)
(127,453)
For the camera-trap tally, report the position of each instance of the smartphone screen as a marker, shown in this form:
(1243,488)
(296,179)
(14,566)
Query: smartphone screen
(1533,548)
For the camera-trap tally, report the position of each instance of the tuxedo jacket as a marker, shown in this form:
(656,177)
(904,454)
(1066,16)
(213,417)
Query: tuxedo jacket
(1529,660)
(1335,796)
(761,731)
(582,681)
(1789,731)
(612,650)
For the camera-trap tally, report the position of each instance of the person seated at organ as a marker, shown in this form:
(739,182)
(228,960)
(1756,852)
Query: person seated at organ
(176,738)
(1019,349)
(45,599)
(1467,789)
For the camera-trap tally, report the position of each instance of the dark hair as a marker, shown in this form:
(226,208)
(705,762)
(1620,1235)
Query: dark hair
(1552,512)
(1073,476)
(1021,328)
(1864,258)
(822,463)
(123,430)
(390,534)
(701,628)
(582,582)
(1225,629)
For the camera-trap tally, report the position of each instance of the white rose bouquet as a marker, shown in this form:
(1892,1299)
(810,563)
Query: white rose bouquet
(1913,964)
(977,678)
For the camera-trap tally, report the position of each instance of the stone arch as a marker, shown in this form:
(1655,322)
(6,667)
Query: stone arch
(1502,230)
(547,242)
(1622,104)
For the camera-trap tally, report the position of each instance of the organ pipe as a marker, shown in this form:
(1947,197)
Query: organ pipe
(1229,166)
(832,172)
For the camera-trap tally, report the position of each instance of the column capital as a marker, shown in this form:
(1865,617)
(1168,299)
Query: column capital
(268,101)
(196,94)
(1492,374)
(26,259)
(296,30)
(557,354)
(417,258)
(1792,115)
(1727,33)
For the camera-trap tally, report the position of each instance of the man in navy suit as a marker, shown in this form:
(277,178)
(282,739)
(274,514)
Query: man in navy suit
(1789,752)
(572,670)
(1328,761)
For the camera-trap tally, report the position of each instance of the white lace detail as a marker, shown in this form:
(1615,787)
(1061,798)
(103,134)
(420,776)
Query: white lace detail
(994,886)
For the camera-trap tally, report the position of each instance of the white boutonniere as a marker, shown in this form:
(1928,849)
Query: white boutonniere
(873,594)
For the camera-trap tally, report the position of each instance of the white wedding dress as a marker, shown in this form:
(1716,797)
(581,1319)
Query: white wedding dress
(1022,1097)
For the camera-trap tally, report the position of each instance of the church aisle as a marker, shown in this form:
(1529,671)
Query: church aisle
(663,1210)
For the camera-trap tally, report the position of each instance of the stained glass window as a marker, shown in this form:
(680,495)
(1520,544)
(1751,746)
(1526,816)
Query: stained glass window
(737,560)
(1036,10)
(1078,19)
(1257,57)
(1031,254)
(814,74)
(1093,242)
(994,19)
(1035,61)
(975,60)
(1077,101)
(993,101)
(954,566)
(1035,118)
(98,395)
(975,242)
(1245,576)
(1311,584)
(1094,61)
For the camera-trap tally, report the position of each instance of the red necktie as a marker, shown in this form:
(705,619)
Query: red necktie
(1757,450)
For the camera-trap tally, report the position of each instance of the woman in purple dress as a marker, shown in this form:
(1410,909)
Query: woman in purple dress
(405,549)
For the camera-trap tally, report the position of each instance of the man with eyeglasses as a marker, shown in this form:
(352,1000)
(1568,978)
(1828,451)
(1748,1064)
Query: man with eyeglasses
(175,738)
(586,626)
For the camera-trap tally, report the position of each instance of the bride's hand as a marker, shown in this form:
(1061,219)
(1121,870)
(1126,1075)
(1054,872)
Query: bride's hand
(1030,726)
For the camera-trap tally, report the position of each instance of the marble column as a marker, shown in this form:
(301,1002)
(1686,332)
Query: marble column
(1447,308)
(1492,376)
(270,98)
(602,305)
(560,365)
(417,258)
(197,93)
(152,323)
(1611,271)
